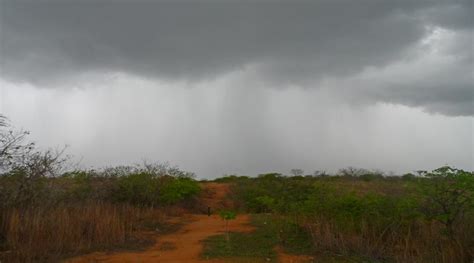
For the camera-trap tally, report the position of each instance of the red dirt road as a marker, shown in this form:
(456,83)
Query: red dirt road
(185,245)
(215,195)
(182,246)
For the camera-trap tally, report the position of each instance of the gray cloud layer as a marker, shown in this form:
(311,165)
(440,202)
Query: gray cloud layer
(235,125)
(287,43)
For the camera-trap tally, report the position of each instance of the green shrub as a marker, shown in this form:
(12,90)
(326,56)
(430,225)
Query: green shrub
(18,189)
(448,196)
(178,189)
(80,185)
(141,189)
(266,203)
(148,189)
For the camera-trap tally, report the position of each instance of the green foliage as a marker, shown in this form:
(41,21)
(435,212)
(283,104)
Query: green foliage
(147,189)
(270,231)
(140,189)
(408,176)
(270,176)
(230,179)
(140,186)
(332,197)
(18,189)
(448,195)
(363,214)
(227,215)
(350,211)
(241,245)
(371,176)
(273,192)
(179,189)
(266,203)
(80,185)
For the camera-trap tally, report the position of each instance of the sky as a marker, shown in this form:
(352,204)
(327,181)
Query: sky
(243,87)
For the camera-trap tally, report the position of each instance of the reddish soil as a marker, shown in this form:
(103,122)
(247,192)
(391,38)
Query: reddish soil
(287,258)
(186,244)
(182,246)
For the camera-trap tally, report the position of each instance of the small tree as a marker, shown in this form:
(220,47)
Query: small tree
(352,172)
(296,172)
(13,147)
(179,189)
(226,216)
(449,194)
(319,173)
(26,166)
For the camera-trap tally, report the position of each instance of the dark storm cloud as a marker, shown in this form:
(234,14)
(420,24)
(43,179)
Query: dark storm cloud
(457,15)
(183,40)
(287,43)
(438,95)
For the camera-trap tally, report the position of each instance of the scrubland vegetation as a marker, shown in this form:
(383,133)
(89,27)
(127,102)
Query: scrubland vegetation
(359,215)
(49,211)
(45,218)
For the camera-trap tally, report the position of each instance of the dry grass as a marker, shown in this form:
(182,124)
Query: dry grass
(48,234)
(420,242)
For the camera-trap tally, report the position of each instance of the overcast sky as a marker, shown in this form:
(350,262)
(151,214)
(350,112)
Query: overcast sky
(246,87)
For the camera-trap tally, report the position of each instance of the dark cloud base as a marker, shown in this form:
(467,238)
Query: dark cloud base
(288,43)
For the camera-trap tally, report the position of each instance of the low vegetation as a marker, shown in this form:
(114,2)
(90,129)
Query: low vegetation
(270,232)
(45,218)
(49,211)
(365,216)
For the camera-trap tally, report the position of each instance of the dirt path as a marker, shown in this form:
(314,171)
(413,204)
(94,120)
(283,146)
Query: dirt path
(182,246)
(186,244)
(214,195)
(287,258)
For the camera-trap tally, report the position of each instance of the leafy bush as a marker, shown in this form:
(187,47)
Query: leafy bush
(448,196)
(227,215)
(179,189)
(266,203)
(139,189)
(146,189)
(373,217)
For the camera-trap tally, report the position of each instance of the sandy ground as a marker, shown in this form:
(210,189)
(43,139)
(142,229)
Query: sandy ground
(186,245)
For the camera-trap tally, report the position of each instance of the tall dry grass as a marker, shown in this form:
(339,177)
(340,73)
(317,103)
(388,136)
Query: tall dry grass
(417,242)
(47,234)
